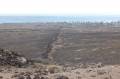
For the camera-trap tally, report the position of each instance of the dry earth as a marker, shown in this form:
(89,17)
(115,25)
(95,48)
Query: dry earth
(64,43)
(71,71)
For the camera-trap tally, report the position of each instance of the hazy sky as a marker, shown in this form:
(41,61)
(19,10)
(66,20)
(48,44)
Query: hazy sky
(59,6)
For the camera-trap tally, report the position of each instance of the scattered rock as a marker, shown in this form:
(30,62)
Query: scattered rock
(1,70)
(8,57)
(62,77)
(20,61)
(44,78)
(93,75)
(15,75)
(42,71)
(16,72)
(88,70)
(79,77)
(77,72)
(22,73)
(21,77)
(101,73)
(54,70)
(28,77)
(28,73)
(37,76)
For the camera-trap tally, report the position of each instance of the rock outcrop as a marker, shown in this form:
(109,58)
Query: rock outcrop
(8,57)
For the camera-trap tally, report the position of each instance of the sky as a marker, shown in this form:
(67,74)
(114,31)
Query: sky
(59,7)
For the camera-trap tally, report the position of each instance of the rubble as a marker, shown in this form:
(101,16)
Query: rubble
(8,57)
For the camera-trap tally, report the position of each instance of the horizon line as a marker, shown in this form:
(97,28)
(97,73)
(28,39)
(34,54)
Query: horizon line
(62,14)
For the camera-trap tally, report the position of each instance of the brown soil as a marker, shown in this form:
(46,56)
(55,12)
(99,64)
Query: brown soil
(71,71)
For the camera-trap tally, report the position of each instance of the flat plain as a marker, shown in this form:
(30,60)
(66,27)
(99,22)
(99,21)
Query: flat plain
(88,45)
(71,43)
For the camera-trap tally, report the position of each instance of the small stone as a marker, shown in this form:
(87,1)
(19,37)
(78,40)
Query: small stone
(22,73)
(1,77)
(16,75)
(21,77)
(79,77)
(89,70)
(28,73)
(38,71)
(37,76)
(43,78)
(93,75)
(1,70)
(28,77)
(101,73)
(54,70)
(16,72)
(77,72)
(62,77)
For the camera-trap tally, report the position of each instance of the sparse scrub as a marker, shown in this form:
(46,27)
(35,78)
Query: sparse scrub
(44,61)
(40,66)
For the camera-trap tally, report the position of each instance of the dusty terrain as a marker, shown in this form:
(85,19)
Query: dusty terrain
(63,42)
(77,50)
(77,45)
(69,71)
(29,39)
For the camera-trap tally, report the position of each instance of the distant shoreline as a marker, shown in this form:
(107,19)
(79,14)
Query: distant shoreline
(57,22)
(45,19)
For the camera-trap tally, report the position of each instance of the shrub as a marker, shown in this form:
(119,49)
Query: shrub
(44,61)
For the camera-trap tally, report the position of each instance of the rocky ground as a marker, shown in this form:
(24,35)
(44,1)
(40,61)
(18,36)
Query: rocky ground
(16,66)
(40,71)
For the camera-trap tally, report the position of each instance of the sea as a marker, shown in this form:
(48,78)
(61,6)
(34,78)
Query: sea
(33,19)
